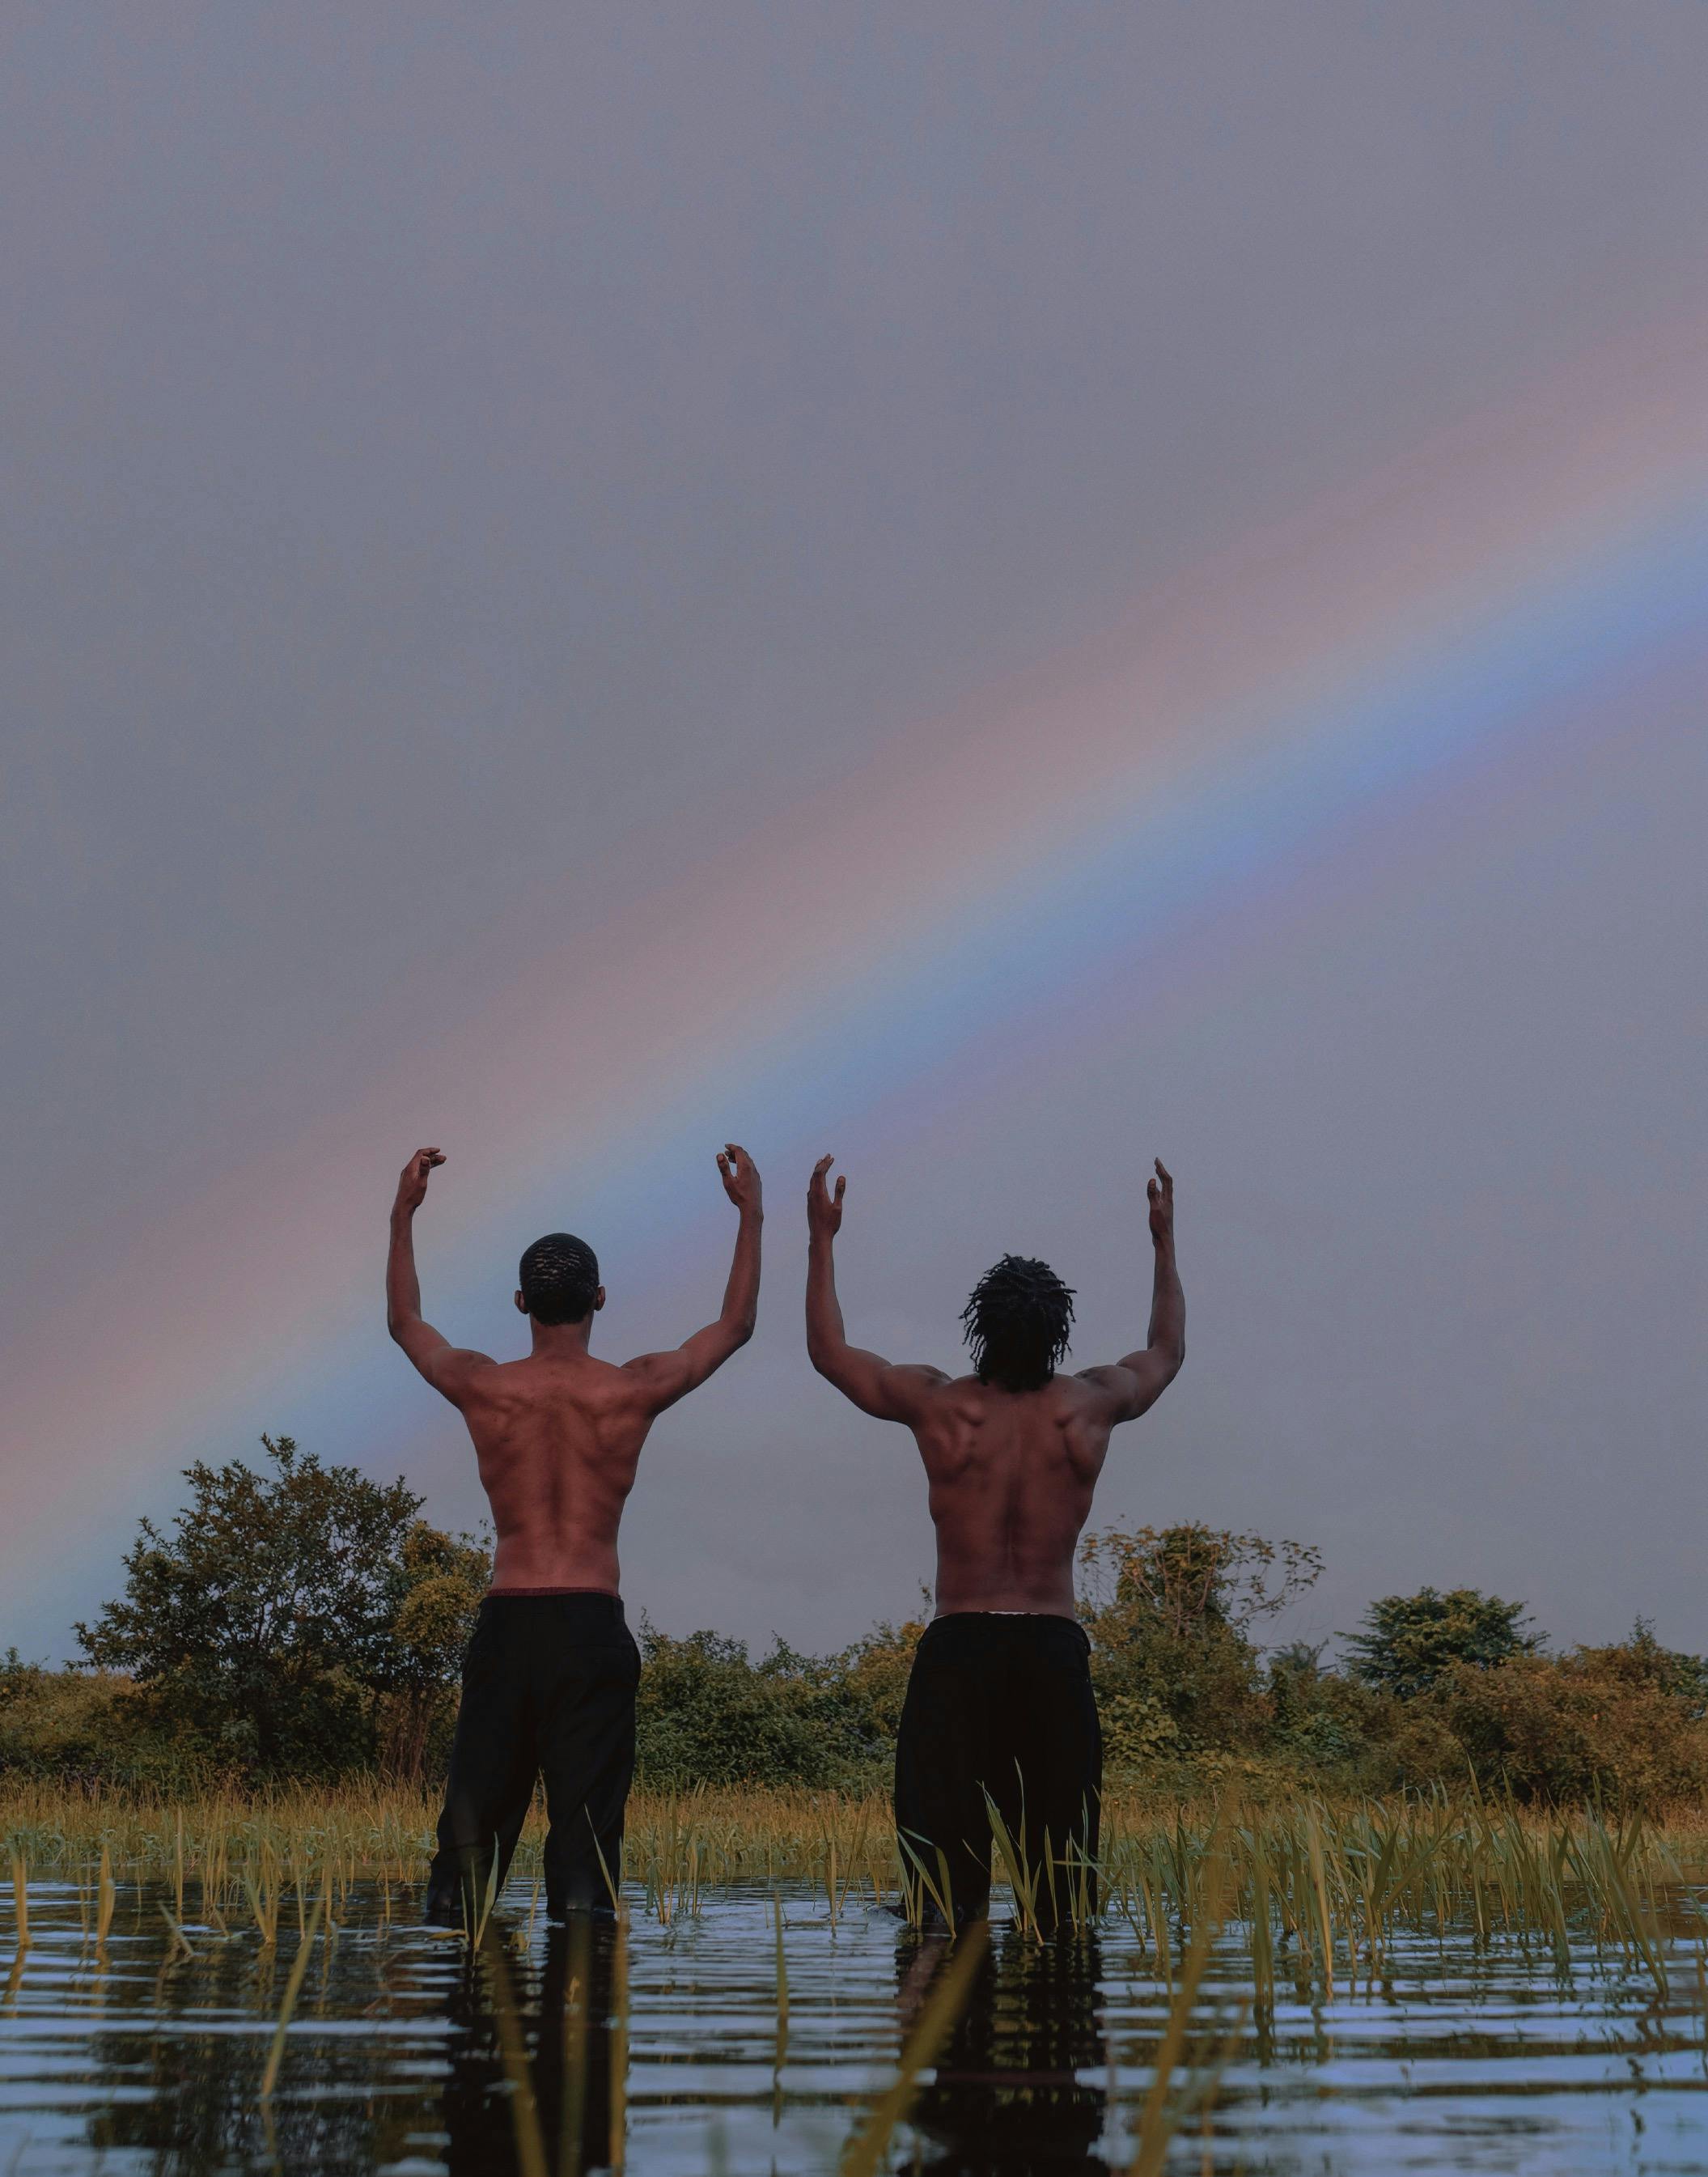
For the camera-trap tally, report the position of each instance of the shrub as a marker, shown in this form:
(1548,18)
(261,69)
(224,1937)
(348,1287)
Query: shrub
(83,1727)
(269,1628)
(1174,1665)
(1323,1720)
(1608,1724)
(1413,1640)
(708,1715)
(307,1622)
(439,1582)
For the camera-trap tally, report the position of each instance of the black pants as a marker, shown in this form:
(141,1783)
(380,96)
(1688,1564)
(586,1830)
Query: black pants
(1003,1704)
(548,1688)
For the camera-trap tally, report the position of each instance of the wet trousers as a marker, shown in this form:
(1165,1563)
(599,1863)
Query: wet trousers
(1000,1704)
(548,1690)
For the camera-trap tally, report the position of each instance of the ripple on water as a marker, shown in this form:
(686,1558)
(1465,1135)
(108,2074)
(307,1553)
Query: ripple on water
(1457,2059)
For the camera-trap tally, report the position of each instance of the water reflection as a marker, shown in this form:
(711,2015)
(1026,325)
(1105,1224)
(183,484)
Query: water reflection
(1011,2092)
(185,2100)
(562,2015)
(1488,2051)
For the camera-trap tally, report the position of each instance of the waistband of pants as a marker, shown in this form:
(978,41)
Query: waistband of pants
(594,1605)
(1025,1624)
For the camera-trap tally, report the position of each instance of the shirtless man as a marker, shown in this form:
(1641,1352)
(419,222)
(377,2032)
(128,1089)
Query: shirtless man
(550,1675)
(1000,1699)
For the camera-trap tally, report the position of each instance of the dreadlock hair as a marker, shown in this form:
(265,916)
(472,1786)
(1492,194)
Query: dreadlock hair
(1017,1323)
(559,1278)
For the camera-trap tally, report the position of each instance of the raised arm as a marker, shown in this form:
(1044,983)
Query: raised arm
(446,1366)
(1139,1378)
(668,1377)
(877,1386)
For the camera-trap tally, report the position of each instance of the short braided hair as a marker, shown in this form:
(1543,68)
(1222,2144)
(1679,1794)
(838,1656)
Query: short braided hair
(559,1278)
(1017,1324)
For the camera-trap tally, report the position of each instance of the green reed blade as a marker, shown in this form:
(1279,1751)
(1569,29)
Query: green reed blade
(293,1985)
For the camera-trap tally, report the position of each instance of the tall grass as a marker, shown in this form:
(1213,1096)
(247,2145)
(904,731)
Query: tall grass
(1229,1901)
(1316,1886)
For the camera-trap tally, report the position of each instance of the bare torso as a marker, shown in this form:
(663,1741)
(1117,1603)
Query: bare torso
(1012,1473)
(557,1438)
(558,1435)
(1012,1476)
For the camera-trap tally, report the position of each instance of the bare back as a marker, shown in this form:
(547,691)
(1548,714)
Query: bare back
(558,1433)
(1012,1476)
(557,1439)
(1012,1473)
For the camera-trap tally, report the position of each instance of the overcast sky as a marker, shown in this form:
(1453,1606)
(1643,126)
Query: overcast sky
(465,468)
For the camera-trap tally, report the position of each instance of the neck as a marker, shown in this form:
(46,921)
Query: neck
(560,1341)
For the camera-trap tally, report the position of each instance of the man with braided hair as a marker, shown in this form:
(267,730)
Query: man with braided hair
(550,1677)
(999,1712)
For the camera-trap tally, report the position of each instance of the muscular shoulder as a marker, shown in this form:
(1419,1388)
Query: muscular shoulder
(588,1383)
(1056,1401)
(953,1402)
(965,1410)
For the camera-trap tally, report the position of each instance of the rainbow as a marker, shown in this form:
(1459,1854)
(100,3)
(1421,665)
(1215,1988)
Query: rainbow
(1520,577)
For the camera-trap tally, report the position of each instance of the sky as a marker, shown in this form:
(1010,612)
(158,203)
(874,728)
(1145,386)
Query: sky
(994,591)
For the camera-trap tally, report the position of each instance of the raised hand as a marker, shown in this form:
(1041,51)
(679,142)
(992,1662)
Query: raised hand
(1159,1193)
(823,1209)
(741,1178)
(412,1184)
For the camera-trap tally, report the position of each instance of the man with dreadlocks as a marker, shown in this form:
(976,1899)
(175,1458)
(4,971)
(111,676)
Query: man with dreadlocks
(550,1677)
(999,1718)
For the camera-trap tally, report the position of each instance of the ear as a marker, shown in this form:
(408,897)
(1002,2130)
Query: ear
(599,1299)
(521,1305)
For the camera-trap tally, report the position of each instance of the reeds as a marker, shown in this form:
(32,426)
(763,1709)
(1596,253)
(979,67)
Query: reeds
(1227,1904)
(293,1988)
(1164,2112)
(21,1919)
(1317,1888)
(21,1900)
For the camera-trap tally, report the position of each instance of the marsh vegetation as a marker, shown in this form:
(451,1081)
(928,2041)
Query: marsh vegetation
(240,1981)
(1441,1902)
(303,1624)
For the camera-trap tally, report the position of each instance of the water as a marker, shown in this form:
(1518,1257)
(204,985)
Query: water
(1464,2056)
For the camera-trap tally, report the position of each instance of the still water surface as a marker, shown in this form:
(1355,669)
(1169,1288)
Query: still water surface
(1464,2057)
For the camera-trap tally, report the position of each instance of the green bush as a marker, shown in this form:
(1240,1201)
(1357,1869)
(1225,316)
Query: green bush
(1323,1721)
(1413,1641)
(1614,1725)
(84,1727)
(303,1623)
(708,1715)
(1169,1611)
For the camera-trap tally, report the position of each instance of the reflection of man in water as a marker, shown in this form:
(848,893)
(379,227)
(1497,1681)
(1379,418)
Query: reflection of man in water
(569,2050)
(1007,2092)
(1000,1699)
(550,1678)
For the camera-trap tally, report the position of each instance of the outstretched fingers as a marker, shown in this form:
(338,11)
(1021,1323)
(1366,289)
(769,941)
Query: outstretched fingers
(740,1175)
(824,1208)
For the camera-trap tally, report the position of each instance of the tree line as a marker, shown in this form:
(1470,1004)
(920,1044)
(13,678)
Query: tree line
(303,1622)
